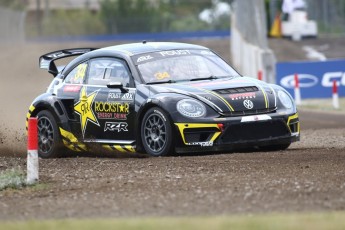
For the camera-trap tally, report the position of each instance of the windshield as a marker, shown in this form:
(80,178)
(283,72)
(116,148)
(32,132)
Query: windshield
(181,65)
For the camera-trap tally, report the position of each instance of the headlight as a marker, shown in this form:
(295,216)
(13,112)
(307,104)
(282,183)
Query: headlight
(285,99)
(191,108)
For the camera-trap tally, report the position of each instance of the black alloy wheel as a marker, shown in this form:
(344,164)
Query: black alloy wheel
(48,135)
(156,133)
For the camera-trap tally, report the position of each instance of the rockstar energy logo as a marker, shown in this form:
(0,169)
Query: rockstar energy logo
(83,108)
(111,107)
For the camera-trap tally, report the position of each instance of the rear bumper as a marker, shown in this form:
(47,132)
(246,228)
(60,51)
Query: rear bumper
(238,132)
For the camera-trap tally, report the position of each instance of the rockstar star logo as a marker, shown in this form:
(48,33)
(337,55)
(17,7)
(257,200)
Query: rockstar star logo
(83,108)
(121,108)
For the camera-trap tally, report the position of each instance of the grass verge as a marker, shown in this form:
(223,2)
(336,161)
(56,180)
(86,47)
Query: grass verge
(323,105)
(315,221)
(12,178)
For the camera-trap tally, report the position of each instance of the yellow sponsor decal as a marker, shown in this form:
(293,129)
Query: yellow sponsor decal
(161,75)
(83,108)
(71,142)
(183,126)
(80,74)
(111,107)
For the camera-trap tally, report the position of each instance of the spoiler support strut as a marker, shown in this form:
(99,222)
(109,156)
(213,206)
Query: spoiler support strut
(47,61)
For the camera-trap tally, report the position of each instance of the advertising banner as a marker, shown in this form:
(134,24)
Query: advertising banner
(315,78)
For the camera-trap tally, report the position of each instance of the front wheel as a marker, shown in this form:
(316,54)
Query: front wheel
(156,133)
(49,141)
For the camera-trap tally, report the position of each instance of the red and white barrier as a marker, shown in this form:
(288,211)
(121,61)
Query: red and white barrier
(335,95)
(298,100)
(32,158)
(260,75)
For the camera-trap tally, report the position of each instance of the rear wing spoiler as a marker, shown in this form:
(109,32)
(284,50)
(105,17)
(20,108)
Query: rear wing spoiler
(47,61)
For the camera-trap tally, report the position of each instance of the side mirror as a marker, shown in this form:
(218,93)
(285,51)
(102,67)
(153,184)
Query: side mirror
(116,85)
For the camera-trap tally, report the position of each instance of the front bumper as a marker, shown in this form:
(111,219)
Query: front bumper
(223,134)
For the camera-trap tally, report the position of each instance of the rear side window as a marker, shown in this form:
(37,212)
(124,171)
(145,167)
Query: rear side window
(105,70)
(77,75)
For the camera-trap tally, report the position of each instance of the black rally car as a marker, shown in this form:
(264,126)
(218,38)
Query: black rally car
(158,98)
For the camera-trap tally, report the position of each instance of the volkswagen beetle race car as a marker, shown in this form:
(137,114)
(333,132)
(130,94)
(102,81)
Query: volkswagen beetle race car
(158,98)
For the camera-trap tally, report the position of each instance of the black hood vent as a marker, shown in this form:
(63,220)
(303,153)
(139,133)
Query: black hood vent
(237,90)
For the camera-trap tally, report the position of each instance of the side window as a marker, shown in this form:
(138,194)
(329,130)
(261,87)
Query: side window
(77,75)
(105,70)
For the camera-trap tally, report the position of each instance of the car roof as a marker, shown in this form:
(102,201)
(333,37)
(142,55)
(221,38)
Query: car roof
(132,49)
(148,47)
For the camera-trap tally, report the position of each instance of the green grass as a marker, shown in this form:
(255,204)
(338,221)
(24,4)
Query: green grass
(12,178)
(315,221)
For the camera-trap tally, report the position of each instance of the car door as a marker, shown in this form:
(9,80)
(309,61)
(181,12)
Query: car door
(110,116)
(69,94)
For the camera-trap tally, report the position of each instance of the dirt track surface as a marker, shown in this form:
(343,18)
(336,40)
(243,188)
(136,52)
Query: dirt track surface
(309,176)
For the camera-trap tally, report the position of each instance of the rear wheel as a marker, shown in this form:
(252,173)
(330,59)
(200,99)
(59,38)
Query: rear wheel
(49,141)
(156,133)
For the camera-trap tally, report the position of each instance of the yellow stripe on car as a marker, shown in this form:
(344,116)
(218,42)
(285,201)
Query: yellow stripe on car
(220,97)
(71,142)
(130,148)
(262,90)
(289,120)
(28,115)
(183,126)
(216,95)
(119,148)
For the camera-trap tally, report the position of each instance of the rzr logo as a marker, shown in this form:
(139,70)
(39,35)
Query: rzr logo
(116,126)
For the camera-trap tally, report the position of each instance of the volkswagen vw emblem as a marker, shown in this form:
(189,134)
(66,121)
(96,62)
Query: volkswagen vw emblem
(248,104)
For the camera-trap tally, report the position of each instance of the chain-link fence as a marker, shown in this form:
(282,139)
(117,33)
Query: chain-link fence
(12,25)
(329,14)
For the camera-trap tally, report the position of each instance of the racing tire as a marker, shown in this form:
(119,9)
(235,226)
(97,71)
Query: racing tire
(156,133)
(279,147)
(49,141)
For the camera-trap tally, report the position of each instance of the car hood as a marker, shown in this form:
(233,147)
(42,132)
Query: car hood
(234,96)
